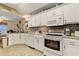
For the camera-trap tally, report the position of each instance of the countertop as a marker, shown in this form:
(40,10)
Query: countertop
(71,37)
(3,38)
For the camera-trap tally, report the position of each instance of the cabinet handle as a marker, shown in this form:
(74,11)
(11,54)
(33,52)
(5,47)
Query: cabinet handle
(72,43)
(64,47)
(60,18)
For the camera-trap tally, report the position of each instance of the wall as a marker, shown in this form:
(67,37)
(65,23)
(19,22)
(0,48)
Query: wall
(12,25)
(56,29)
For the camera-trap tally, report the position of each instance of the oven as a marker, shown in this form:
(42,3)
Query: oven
(53,44)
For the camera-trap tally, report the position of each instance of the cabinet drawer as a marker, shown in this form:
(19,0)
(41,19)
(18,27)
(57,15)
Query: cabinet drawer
(73,42)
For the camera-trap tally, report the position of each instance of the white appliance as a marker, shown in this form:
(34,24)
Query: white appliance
(71,47)
(55,21)
(53,44)
(77,33)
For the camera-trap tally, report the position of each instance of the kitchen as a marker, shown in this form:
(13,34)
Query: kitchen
(47,29)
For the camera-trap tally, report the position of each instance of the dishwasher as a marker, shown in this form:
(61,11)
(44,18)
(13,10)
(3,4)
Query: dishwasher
(71,47)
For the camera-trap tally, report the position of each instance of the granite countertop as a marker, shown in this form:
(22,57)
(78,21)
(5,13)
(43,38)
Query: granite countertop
(71,37)
(3,38)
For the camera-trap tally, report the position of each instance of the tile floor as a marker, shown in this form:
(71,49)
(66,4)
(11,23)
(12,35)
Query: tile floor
(19,50)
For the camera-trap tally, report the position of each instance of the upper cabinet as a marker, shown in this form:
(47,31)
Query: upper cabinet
(55,21)
(43,19)
(55,17)
(31,22)
(51,17)
(37,20)
(55,11)
(64,14)
(71,13)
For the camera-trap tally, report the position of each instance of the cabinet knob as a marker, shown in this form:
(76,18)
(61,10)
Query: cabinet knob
(72,43)
(64,47)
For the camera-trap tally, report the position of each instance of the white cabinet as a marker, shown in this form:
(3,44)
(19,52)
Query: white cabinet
(71,13)
(47,18)
(38,20)
(43,19)
(60,20)
(23,38)
(39,42)
(26,38)
(17,38)
(30,41)
(71,47)
(29,22)
(55,11)
(56,21)
(4,42)
(55,17)
(36,42)
(11,39)
(32,22)
(58,11)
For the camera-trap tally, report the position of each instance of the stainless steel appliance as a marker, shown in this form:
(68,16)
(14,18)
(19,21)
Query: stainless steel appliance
(53,44)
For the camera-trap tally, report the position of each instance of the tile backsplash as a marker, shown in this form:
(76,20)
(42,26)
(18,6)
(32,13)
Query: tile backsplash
(56,29)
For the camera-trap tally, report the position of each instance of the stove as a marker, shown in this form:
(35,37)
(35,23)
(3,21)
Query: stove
(53,43)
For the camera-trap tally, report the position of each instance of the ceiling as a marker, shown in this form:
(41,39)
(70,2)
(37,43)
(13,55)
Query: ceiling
(9,16)
(26,8)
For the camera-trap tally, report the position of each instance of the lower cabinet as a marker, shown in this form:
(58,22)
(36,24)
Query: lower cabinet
(71,47)
(30,41)
(39,42)
(11,39)
(17,38)
(34,41)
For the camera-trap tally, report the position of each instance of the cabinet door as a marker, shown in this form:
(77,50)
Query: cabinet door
(71,13)
(41,43)
(52,21)
(16,38)
(33,21)
(60,20)
(36,42)
(71,47)
(59,11)
(30,41)
(27,40)
(50,13)
(43,19)
(10,39)
(30,22)
(71,50)
(37,20)
(23,37)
